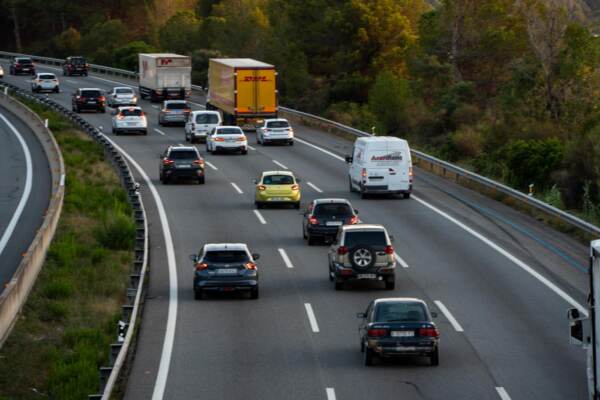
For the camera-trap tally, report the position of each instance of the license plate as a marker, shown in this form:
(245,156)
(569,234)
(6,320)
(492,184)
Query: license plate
(408,348)
(131,124)
(227,271)
(366,276)
(183,166)
(91,102)
(278,199)
(333,223)
(403,333)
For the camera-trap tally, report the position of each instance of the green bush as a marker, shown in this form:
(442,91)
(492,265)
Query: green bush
(117,232)
(58,288)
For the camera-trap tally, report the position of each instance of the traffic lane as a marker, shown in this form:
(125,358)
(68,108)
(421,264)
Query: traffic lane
(12,185)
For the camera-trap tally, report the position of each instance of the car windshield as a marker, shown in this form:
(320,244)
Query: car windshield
(47,76)
(337,209)
(226,256)
(136,112)
(78,61)
(91,93)
(400,312)
(183,155)
(176,106)
(278,124)
(364,238)
(207,119)
(229,131)
(23,60)
(124,91)
(278,180)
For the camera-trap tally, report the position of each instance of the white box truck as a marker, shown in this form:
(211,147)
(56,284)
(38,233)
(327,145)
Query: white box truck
(165,76)
(380,165)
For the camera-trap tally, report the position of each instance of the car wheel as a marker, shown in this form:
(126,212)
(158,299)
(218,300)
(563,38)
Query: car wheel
(363,194)
(115,132)
(291,143)
(244,152)
(198,294)
(434,358)
(201,180)
(57,90)
(369,356)
(339,285)
(259,204)
(304,236)
(350,187)
(103,110)
(406,195)
(362,257)
(254,293)
(311,240)
(390,284)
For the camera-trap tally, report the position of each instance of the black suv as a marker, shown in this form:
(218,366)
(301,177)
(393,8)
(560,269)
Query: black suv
(75,66)
(88,99)
(22,65)
(181,162)
(323,218)
(225,267)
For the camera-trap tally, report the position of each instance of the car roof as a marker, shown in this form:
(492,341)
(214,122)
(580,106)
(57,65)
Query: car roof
(89,88)
(399,300)
(175,101)
(195,112)
(183,148)
(331,200)
(228,126)
(266,173)
(129,108)
(123,87)
(363,227)
(45,73)
(22,58)
(276,119)
(225,246)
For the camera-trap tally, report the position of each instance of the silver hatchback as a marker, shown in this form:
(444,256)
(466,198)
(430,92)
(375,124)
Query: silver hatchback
(174,112)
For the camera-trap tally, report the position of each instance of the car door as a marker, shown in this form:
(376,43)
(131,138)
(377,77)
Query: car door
(306,216)
(209,138)
(364,323)
(334,248)
(188,123)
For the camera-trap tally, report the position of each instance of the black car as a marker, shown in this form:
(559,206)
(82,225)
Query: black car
(225,267)
(88,99)
(323,218)
(396,327)
(75,66)
(181,162)
(22,65)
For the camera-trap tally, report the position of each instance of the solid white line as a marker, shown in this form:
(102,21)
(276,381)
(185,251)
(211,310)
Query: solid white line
(286,259)
(320,149)
(330,393)
(90,76)
(155,106)
(502,393)
(210,165)
(402,263)
(167,350)
(71,81)
(311,318)
(237,188)
(512,258)
(26,190)
(314,187)
(279,164)
(159,131)
(449,316)
(62,180)
(197,104)
(260,217)
(250,147)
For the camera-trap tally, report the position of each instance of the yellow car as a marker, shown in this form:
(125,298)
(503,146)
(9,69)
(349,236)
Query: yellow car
(277,187)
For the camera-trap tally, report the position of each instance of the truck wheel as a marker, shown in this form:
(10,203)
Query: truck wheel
(406,195)
(338,285)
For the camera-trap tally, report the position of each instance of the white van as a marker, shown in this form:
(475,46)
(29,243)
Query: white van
(380,164)
(199,123)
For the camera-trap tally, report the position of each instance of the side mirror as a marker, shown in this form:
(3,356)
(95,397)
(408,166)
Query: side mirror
(114,111)
(573,314)
(298,180)
(434,314)
(361,315)
(580,329)
(355,211)
(348,159)
(392,238)
(255,181)
(194,258)
(255,256)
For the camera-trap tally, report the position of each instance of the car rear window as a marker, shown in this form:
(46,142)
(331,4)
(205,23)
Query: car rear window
(177,106)
(278,180)
(207,119)
(365,238)
(24,60)
(278,124)
(229,131)
(47,76)
(183,155)
(136,112)
(124,91)
(77,60)
(91,93)
(337,209)
(226,256)
(400,312)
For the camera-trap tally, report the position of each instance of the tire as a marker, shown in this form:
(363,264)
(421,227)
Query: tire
(254,293)
(363,194)
(434,358)
(338,285)
(115,132)
(304,236)
(406,195)
(201,180)
(369,357)
(198,294)
(362,252)
(57,90)
(311,240)
(350,187)
(291,143)
(390,284)
(102,110)
(244,152)
(259,204)
(297,205)
(145,133)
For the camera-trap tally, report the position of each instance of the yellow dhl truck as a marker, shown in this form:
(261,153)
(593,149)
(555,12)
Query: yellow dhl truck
(243,89)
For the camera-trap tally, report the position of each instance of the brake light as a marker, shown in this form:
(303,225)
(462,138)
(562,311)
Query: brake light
(166,111)
(363,172)
(187,110)
(251,266)
(199,162)
(353,220)
(295,187)
(101,98)
(241,139)
(389,250)
(166,161)
(410,173)
(313,221)
(143,114)
(262,187)
(342,250)
(201,266)
(377,332)
(429,332)
(219,139)
(120,116)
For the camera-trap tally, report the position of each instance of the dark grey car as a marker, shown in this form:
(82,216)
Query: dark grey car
(181,162)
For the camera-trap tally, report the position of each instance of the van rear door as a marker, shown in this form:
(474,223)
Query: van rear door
(387,169)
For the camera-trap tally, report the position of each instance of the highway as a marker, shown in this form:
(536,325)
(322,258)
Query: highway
(25,184)
(500,281)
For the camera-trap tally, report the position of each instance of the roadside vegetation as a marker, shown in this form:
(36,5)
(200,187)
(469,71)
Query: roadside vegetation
(63,334)
(507,88)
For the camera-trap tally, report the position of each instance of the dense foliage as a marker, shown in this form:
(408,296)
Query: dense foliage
(509,88)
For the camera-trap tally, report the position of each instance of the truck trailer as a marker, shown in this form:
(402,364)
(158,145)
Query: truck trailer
(242,89)
(165,76)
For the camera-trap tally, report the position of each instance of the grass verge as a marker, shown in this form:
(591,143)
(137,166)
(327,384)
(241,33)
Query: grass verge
(64,331)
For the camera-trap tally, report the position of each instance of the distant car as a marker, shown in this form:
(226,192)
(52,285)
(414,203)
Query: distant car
(129,120)
(174,112)
(122,96)
(362,252)
(1,72)
(181,162)
(88,99)
(199,123)
(22,65)
(227,139)
(45,81)
(75,65)
(277,187)
(395,327)
(225,267)
(323,218)
(275,131)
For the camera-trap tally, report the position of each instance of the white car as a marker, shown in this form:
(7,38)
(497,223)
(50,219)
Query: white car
(128,120)
(275,131)
(227,138)
(45,81)
(1,72)
(122,96)
(199,123)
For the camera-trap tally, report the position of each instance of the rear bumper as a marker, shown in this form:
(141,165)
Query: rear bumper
(344,274)
(184,173)
(85,106)
(398,349)
(231,148)
(225,285)
(385,189)
(46,86)
(322,231)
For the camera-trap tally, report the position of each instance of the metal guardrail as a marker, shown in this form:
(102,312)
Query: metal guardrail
(130,311)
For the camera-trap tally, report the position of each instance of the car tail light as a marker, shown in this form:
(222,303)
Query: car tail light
(342,250)
(201,266)
(219,139)
(313,221)
(101,99)
(187,110)
(251,266)
(262,187)
(241,139)
(377,332)
(363,173)
(199,162)
(389,250)
(429,332)
(166,161)
(410,173)
(353,220)
(143,114)
(120,116)
(295,187)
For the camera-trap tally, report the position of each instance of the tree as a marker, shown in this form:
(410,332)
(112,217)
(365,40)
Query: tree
(180,33)
(102,39)
(126,57)
(68,43)
(389,99)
